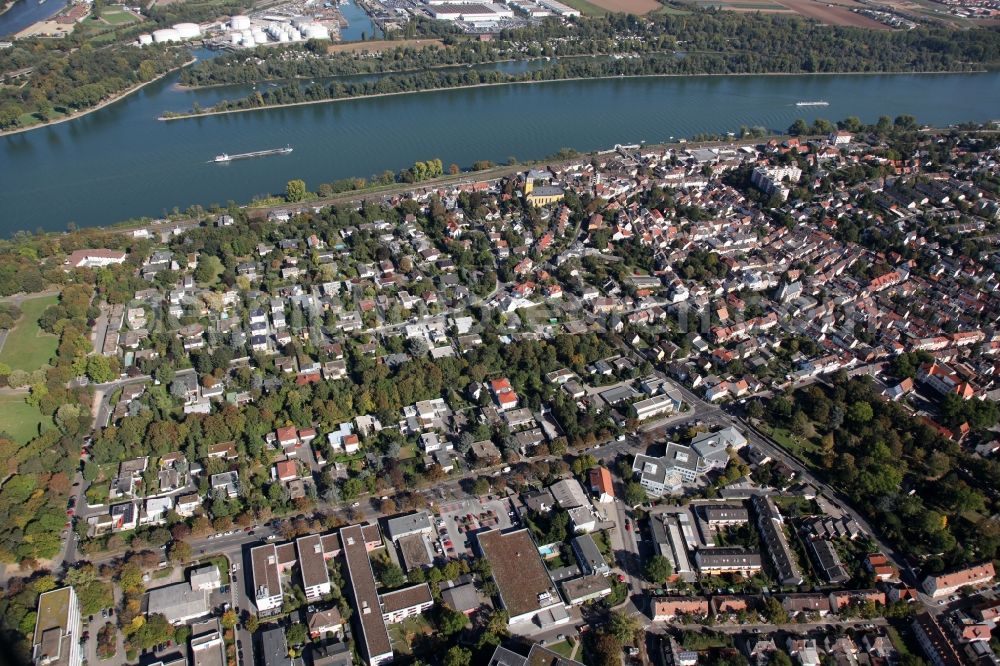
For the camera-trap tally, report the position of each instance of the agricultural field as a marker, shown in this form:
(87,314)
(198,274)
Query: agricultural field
(380,45)
(767,6)
(838,13)
(26,346)
(627,6)
(829,13)
(586,8)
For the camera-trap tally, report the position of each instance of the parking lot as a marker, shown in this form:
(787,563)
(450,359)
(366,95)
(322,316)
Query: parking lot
(460,518)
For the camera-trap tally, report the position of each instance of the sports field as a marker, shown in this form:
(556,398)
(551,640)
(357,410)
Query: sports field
(27,347)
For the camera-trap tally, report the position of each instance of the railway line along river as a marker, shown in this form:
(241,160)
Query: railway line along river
(121,162)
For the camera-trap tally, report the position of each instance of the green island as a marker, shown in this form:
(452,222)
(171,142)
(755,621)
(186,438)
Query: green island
(701,42)
(47,80)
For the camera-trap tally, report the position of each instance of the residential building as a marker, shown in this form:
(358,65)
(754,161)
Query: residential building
(827,561)
(525,589)
(585,588)
(719,561)
(935,643)
(206,578)
(207,645)
(589,556)
(312,566)
(266,573)
(227,484)
(401,526)
(407,602)
(325,622)
(949,583)
(56,640)
(724,515)
(601,485)
(538,655)
(371,637)
(274,647)
(461,598)
(772,533)
(667,608)
(569,494)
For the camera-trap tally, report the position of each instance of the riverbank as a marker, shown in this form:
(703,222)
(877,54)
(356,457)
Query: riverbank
(206,113)
(111,100)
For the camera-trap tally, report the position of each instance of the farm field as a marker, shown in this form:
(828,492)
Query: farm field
(19,419)
(379,45)
(768,6)
(628,6)
(27,347)
(832,14)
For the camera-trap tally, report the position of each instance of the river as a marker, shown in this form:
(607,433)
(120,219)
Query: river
(120,162)
(27,12)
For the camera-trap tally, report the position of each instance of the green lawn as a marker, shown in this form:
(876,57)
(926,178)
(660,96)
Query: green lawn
(27,347)
(800,447)
(564,647)
(19,419)
(404,634)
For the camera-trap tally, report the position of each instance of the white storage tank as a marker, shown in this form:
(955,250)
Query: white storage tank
(145,39)
(236,37)
(239,22)
(315,31)
(188,30)
(164,35)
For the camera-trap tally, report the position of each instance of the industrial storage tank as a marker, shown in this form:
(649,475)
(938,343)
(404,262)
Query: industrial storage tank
(239,22)
(188,30)
(145,39)
(313,31)
(166,35)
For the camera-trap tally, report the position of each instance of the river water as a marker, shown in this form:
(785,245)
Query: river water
(120,162)
(27,12)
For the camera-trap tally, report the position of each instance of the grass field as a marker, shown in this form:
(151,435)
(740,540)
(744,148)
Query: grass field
(27,347)
(19,419)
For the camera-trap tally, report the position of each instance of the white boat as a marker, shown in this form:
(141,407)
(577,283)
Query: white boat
(226,157)
(816,103)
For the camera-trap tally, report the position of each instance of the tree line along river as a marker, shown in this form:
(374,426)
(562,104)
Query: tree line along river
(121,162)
